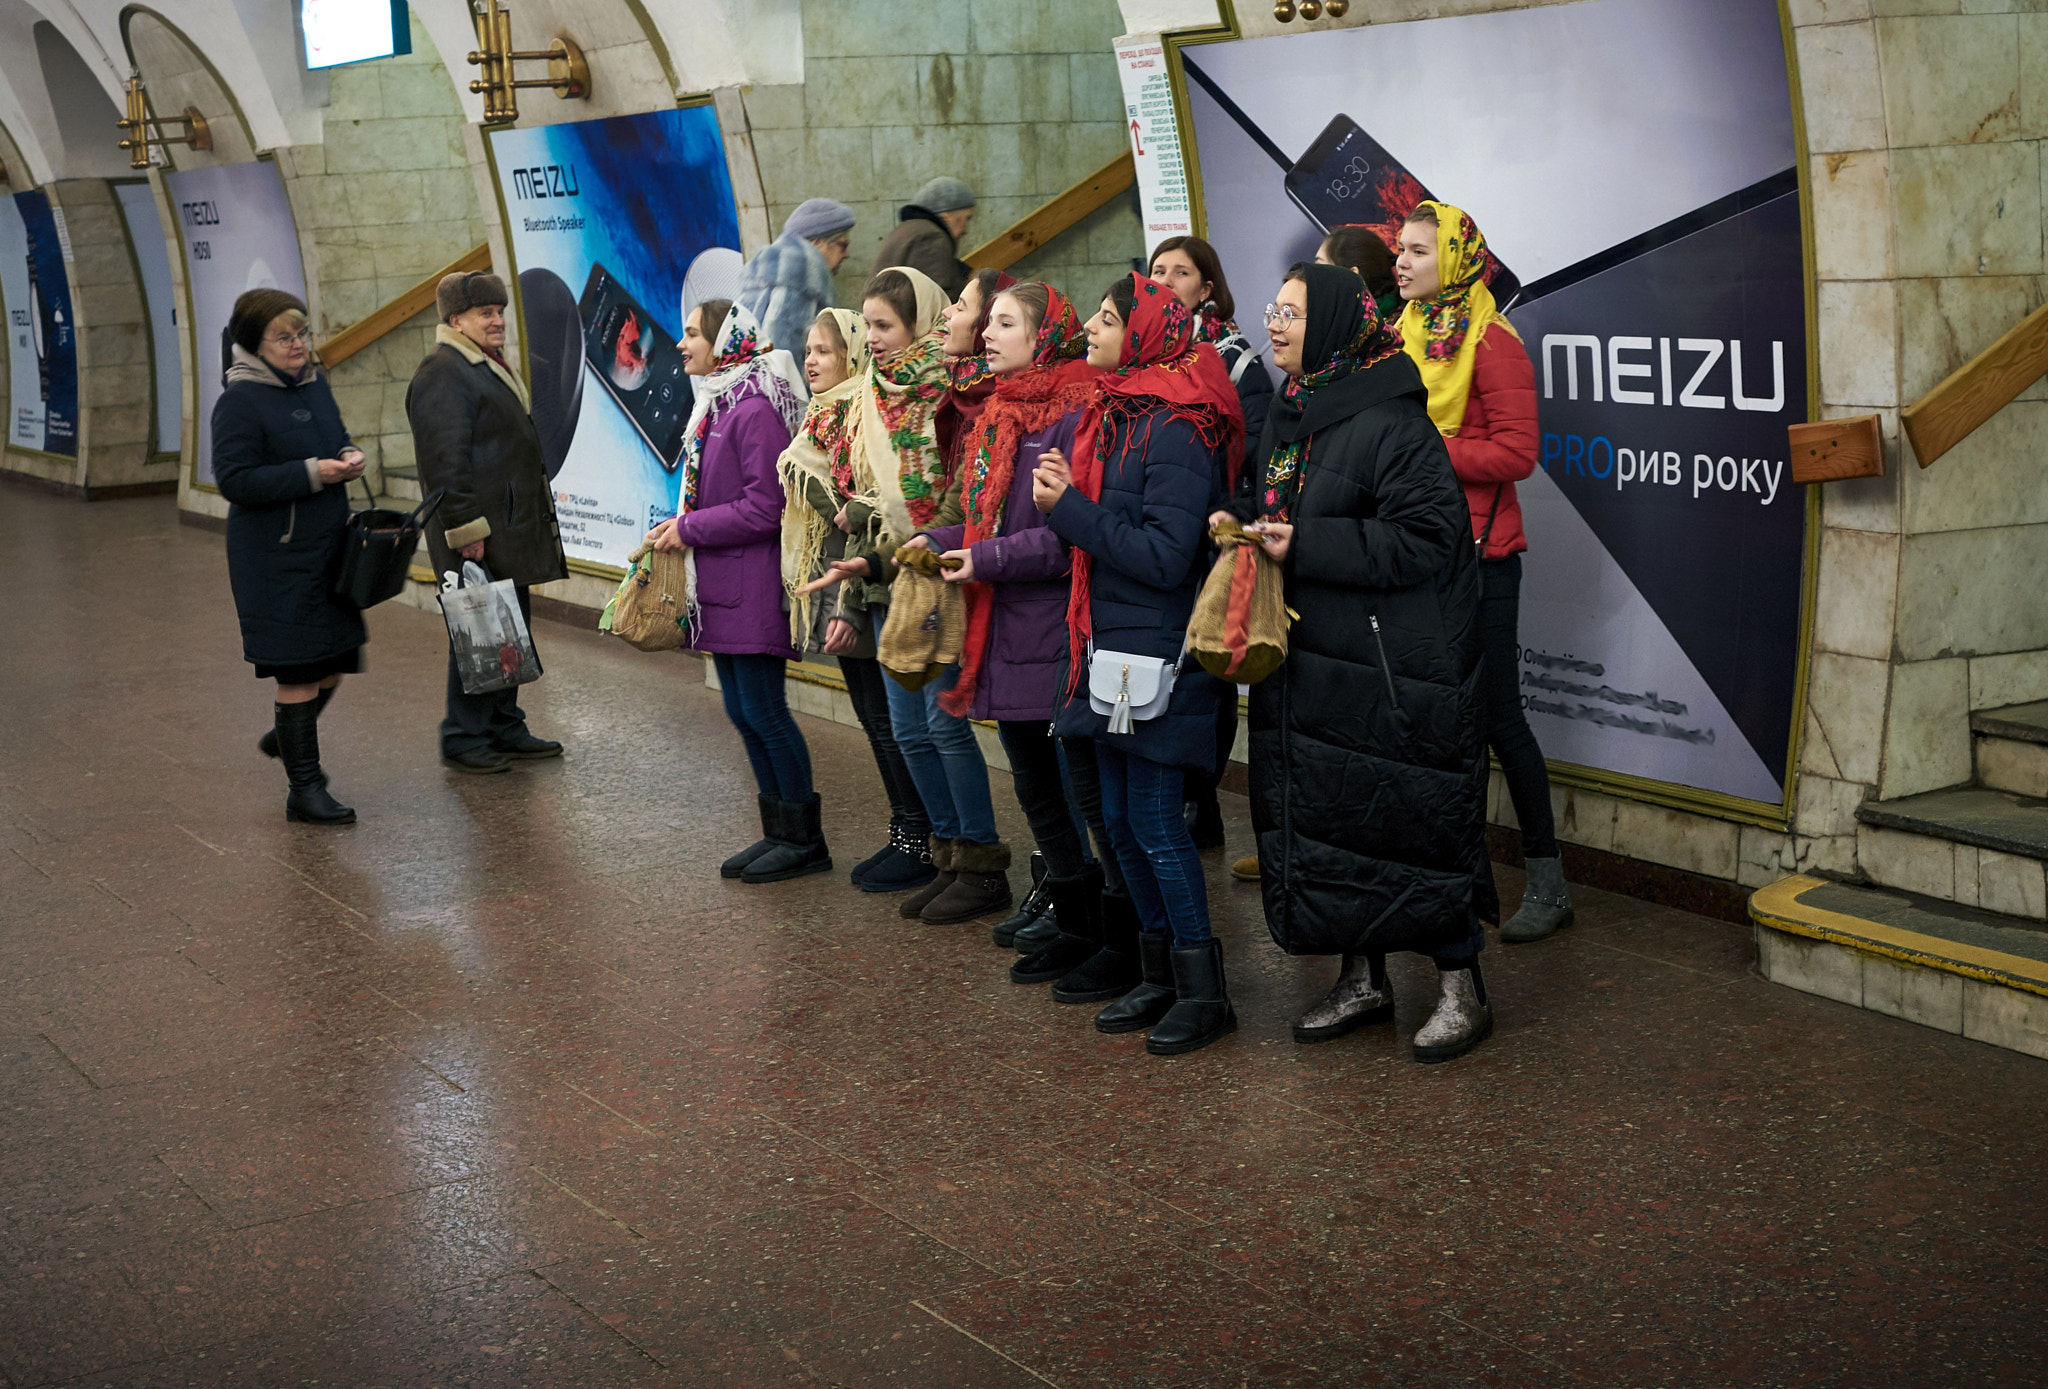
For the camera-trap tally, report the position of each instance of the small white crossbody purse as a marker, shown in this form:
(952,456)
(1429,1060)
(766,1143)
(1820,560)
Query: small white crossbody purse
(1130,689)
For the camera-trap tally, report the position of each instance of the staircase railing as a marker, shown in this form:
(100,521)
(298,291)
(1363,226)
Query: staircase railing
(359,335)
(1978,389)
(1026,235)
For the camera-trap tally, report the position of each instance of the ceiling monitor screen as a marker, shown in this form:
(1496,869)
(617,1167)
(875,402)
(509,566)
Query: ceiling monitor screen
(353,31)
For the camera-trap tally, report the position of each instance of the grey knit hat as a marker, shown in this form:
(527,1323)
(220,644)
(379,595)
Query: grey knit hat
(818,218)
(466,290)
(943,195)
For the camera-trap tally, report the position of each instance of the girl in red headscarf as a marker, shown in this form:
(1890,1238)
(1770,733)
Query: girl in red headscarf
(1154,455)
(1014,571)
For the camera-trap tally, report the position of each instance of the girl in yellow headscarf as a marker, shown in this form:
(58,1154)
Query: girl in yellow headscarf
(1482,397)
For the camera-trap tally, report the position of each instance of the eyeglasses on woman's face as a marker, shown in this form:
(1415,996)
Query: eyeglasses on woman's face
(302,338)
(1282,316)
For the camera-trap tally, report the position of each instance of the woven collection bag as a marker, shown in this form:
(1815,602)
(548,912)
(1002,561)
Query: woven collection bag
(927,620)
(1238,630)
(650,610)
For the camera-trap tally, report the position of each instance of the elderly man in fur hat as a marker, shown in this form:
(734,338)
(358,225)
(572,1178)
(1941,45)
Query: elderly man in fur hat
(474,441)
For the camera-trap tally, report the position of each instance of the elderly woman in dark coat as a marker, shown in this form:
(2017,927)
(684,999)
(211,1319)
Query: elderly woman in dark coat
(1368,764)
(1153,456)
(282,458)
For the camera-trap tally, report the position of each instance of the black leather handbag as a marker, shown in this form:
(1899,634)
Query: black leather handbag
(377,550)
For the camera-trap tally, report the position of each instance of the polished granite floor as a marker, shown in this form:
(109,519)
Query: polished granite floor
(504,1086)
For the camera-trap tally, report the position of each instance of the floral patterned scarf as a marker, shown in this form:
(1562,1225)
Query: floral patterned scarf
(740,367)
(819,456)
(1443,332)
(1344,334)
(899,469)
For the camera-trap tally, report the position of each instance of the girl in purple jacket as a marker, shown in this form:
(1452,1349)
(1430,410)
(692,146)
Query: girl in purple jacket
(729,521)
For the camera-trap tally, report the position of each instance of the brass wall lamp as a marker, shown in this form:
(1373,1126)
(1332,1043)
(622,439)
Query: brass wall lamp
(568,72)
(137,125)
(1285,10)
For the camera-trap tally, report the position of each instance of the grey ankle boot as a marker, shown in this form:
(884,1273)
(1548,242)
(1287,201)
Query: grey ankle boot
(1359,996)
(1546,903)
(1462,1020)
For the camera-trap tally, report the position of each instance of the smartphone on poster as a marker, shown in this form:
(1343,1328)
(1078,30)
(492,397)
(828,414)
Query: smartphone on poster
(638,362)
(1347,178)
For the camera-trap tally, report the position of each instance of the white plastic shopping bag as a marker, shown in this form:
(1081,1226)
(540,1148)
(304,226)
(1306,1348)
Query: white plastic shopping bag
(493,649)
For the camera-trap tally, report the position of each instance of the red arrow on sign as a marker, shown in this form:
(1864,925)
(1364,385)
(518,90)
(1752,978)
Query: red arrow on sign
(1136,139)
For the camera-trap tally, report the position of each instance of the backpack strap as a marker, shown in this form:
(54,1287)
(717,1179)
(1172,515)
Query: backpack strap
(1245,355)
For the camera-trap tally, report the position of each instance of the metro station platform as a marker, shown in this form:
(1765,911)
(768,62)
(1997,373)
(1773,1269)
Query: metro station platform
(504,1086)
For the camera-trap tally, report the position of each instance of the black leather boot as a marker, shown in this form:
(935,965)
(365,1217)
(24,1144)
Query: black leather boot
(298,747)
(1112,971)
(799,844)
(1034,906)
(737,864)
(1149,1002)
(267,744)
(904,863)
(1202,1012)
(1077,907)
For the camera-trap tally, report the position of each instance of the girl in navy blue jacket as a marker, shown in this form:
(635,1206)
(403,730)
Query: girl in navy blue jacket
(1156,449)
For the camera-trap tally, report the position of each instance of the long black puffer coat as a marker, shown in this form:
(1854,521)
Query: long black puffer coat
(284,527)
(1368,762)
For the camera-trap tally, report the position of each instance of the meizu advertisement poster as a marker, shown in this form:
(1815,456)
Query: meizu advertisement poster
(1632,164)
(235,224)
(606,218)
(42,341)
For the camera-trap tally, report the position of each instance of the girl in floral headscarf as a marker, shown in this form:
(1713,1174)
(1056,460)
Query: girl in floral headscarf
(729,521)
(1155,453)
(1482,396)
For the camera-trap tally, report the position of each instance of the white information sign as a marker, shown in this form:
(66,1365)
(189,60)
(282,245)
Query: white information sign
(1155,137)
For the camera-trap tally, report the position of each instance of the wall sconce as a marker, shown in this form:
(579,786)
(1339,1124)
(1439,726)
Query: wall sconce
(138,122)
(568,73)
(1285,10)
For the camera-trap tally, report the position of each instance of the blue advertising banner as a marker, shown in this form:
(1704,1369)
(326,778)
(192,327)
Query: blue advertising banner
(1633,166)
(42,340)
(235,225)
(605,220)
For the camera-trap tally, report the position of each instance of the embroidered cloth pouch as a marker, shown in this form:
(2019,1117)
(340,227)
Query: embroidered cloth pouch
(927,620)
(1238,630)
(650,609)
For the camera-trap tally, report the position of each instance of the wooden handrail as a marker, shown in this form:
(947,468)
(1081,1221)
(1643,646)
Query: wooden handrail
(1021,238)
(357,336)
(1977,390)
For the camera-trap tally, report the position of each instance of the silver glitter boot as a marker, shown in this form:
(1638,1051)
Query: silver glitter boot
(1546,904)
(1359,996)
(1462,1019)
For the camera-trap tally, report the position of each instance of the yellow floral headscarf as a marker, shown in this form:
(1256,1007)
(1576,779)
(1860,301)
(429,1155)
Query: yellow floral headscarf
(819,456)
(1442,333)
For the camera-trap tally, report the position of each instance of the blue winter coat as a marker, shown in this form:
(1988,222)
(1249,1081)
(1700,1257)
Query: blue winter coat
(284,527)
(1149,538)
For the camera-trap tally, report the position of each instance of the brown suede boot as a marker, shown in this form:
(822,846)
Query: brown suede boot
(981,884)
(942,859)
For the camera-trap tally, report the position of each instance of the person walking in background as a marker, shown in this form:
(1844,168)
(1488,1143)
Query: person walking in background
(788,283)
(927,234)
(1360,250)
(1482,397)
(1155,454)
(818,472)
(1190,267)
(475,443)
(283,459)
(1368,764)
(729,518)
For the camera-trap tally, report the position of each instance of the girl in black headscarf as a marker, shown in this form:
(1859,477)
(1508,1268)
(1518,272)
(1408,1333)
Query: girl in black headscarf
(1368,769)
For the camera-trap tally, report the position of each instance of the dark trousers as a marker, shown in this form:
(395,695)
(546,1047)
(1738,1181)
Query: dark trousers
(483,720)
(865,687)
(1141,800)
(1042,794)
(1084,787)
(1507,727)
(757,702)
(1201,790)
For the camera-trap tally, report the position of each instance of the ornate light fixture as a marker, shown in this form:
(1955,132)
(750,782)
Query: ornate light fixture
(1285,10)
(138,123)
(568,73)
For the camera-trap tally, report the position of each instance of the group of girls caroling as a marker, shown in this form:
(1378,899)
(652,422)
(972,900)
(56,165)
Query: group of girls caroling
(1067,477)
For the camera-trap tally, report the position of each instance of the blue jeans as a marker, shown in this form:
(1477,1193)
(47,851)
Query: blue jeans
(945,761)
(1141,803)
(758,705)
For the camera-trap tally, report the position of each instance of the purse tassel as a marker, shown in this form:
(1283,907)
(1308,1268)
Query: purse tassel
(1120,717)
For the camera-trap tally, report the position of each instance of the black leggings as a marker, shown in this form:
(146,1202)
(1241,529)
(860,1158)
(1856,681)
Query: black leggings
(1201,790)
(1042,793)
(1507,727)
(863,675)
